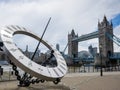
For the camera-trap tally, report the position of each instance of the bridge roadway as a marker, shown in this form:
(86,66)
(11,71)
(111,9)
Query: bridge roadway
(115,56)
(87,36)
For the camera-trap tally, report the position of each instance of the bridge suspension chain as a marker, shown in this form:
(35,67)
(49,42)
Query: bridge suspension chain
(113,38)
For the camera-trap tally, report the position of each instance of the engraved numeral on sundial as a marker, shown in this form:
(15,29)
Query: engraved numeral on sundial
(10,28)
(59,54)
(63,63)
(56,72)
(13,50)
(46,41)
(8,31)
(40,69)
(60,70)
(51,45)
(18,27)
(62,67)
(14,27)
(55,49)
(49,71)
(8,42)
(30,63)
(21,57)
(6,36)
(61,58)
(24,29)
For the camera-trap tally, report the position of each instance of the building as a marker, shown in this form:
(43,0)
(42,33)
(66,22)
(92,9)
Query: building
(42,58)
(105,44)
(92,50)
(30,54)
(84,54)
(72,45)
(58,47)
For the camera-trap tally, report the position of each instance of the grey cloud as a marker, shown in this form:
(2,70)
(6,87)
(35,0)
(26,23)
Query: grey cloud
(81,15)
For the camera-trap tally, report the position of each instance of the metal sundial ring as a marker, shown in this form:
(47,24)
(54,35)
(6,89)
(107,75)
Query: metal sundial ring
(23,62)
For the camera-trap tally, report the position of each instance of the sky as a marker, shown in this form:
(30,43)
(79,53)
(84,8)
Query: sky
(80,15)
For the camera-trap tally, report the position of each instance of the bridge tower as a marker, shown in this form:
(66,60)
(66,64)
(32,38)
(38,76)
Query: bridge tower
(72,45)
(105,44)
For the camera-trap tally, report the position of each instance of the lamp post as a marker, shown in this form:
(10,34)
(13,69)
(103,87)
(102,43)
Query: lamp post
(101,72)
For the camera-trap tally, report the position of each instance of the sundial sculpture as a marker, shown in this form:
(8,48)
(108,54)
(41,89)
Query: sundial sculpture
(31,68)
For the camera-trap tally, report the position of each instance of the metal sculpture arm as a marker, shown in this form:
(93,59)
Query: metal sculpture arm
(25,74)
(41,39)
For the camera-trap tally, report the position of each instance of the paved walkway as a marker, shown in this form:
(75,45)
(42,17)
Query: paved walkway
(74,81)
(91,74)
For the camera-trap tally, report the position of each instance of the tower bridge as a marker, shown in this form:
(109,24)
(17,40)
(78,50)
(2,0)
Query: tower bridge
(105,36)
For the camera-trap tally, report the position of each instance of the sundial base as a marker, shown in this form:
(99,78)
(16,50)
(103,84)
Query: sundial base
(23,85)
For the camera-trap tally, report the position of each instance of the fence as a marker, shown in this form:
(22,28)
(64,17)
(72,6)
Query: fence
(91,68)
(9,74)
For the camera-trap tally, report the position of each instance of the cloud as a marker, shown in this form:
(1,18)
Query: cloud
(81,15)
